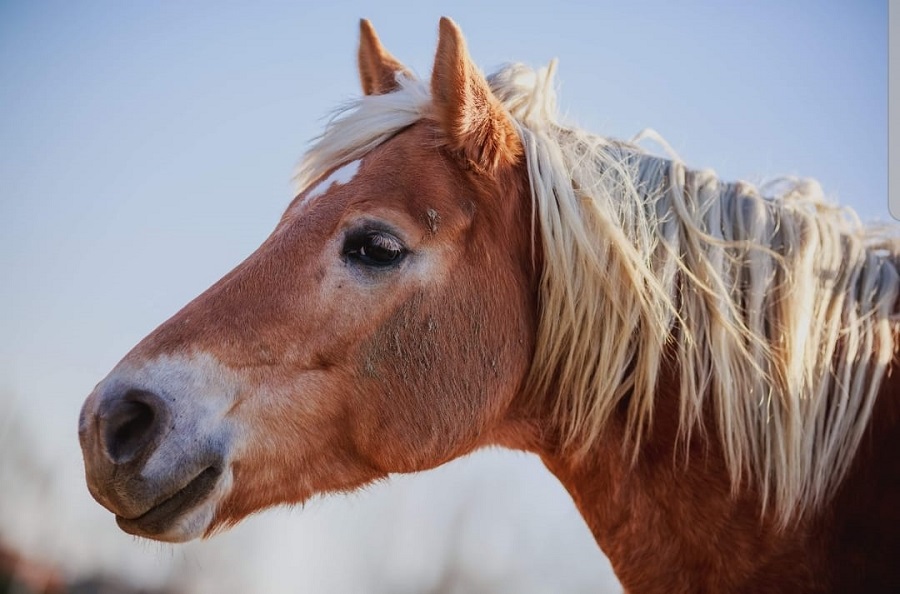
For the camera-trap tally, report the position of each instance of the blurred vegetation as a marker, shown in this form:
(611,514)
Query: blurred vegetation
(19,575)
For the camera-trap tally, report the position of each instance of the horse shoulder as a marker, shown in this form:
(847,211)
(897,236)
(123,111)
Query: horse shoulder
(865,541)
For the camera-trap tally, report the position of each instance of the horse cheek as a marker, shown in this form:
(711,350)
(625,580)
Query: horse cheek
(426,379)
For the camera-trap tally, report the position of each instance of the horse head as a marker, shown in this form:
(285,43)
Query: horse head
(385,325)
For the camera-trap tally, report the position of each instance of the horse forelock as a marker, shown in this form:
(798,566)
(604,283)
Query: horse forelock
(776,308)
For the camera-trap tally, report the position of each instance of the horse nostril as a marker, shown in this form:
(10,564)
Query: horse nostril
(130,425)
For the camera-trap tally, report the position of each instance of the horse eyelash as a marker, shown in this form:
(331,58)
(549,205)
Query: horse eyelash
(356,241)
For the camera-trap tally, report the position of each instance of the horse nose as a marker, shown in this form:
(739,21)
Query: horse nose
(131,424)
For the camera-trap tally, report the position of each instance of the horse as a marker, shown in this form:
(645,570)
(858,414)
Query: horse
(705,366)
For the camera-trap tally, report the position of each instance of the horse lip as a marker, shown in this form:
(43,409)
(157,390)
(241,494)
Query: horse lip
(160,517)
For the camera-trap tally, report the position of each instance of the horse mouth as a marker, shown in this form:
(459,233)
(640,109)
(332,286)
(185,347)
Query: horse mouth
(159,518)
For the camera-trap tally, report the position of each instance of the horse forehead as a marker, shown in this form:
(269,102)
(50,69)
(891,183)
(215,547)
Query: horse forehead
(339,176)
(407,173)
(408,180)
(412,166)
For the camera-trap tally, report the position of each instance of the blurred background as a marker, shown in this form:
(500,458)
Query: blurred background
(147,147)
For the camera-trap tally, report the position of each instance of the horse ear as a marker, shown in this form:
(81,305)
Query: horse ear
(471,116)
(378,69)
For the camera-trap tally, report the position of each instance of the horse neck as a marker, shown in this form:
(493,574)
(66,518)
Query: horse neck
(662,521)
(668,525)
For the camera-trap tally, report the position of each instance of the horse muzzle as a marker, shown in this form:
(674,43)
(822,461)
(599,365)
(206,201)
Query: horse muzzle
(156,446)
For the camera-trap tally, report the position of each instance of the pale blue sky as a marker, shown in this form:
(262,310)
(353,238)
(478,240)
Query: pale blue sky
(147,147)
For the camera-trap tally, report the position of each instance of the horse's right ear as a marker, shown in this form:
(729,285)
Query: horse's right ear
(378,69)
(473,119)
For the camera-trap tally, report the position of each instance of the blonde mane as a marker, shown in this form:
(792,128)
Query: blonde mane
(777,313)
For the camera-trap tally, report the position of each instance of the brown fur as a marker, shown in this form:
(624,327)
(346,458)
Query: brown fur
(378,69)
(473,120)
(346,381)
(400,384)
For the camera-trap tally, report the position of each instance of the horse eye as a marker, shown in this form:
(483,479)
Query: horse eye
(376,249)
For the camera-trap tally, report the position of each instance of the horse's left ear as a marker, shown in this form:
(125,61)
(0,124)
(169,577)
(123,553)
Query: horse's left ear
(471,116)
(378,69)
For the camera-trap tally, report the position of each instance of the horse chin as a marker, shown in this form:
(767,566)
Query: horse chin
(186,514)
